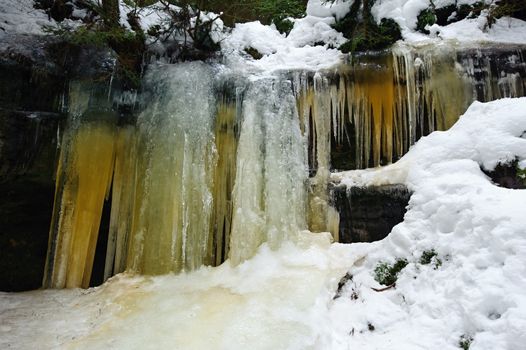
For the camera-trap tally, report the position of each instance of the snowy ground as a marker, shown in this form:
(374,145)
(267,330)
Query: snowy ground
(285,299)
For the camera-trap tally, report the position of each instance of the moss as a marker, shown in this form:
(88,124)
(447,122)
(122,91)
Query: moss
(430,256)
(284,26)
(273,10)
(465,342)
(387,274)
(443,15)
(521,175)
(363,32)
(128,45)
(425,18)
(511,8)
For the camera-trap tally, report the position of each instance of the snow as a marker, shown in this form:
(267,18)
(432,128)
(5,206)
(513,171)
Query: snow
(295,51)
(19,16)
(505,30)
(405,13)
(284,299)
(477,229)
(322,8)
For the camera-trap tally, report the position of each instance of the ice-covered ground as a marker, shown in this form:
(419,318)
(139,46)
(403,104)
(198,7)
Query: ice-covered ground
(284,299)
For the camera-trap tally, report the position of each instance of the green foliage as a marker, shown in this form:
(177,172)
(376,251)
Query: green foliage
(465,342)
(521,174)
(387,274)
(492,10)
(128,45)
(278,12)
(512,8)
(425,17)
(362,30)
(90,36)
(430,256)
(284,26)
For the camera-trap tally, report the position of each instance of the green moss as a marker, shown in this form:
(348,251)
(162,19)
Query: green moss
(128,45)
(521,174)
(430,256)
(284,26)
(465,342)
(425,18)
(363,32)
(387,274)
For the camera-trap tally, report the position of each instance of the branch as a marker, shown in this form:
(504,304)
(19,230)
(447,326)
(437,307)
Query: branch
(384,289)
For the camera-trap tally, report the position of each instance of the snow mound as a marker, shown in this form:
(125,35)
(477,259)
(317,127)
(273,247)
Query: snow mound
(322,8)
(405,13)
(478,231)
(504,30)
(311,45)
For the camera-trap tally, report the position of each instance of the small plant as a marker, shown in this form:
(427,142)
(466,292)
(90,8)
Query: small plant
(425,18)
(521,174)
(387,274)
(284,26)
(430,256)
(278,12)
(465,342)
(363,32)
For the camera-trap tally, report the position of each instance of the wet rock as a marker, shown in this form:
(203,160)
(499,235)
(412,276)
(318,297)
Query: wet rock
(368,214)
(30,120)
(34,80)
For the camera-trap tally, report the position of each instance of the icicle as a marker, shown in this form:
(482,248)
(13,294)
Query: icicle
(123,199)
(225,174)
(83,180)
(176,157)
(269,192)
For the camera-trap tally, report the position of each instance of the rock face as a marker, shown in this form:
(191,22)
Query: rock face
(30,120)
(508,176)
(34,76)
(368,214)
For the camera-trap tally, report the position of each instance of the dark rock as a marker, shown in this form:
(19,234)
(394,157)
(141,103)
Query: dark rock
(25,209)
(368,214)
(31,93)
(254,53)
(507,175)
(341,284)
(34,79)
